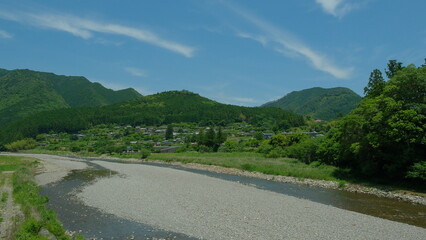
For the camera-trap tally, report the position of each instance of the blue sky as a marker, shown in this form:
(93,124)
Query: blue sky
(244,52)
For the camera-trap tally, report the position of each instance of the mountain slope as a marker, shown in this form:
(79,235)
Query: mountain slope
(158,109)
(25,92)
(320,103)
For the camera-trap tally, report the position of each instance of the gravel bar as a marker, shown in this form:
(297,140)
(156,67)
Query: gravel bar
(209,208)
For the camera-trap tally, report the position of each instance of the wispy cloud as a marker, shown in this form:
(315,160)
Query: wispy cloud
(4,34)
(261,39)
(337,8)
(136,72)
(242,101)
(85,28)
(287,44)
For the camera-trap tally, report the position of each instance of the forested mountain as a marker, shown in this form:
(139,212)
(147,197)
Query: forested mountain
(320,103)
(24,92)
(158,109)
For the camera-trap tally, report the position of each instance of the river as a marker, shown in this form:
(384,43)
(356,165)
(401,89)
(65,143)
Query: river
(93,223)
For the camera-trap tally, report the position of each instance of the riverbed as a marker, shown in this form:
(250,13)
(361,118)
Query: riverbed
(146,201)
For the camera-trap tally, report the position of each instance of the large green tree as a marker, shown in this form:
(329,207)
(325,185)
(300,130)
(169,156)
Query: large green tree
(375,84)
(385,135)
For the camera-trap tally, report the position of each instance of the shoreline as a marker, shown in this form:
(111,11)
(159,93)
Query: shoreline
(356,188)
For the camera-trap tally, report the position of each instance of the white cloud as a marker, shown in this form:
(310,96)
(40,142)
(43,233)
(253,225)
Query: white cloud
(242,101)
(4,34)
(289,45)
(136,72)
(337,8)
(85,28)
(261,39)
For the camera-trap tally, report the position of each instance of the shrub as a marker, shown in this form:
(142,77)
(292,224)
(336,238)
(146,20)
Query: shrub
(24,144)
(305,151)
(75,149)
(229,146)
(145,153)
(418,170)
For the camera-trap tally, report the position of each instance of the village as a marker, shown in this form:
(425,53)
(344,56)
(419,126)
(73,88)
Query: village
(110,139)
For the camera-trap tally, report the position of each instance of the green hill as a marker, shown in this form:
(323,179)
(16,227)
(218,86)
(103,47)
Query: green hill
(158,109)
(320,103)
(25,92)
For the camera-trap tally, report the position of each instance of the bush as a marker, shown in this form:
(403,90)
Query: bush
(418,171)
(75,149)
(229,146)
(276,153)
(145,153)
(305,151)
(24,144)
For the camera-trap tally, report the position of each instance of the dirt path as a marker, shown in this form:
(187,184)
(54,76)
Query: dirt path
(9,210)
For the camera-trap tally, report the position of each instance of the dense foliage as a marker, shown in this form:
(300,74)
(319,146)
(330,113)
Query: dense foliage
(154,110)
(25,92)
(385,136)
(320,103)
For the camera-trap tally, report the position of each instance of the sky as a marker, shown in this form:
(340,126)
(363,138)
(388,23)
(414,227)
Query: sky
(242,52)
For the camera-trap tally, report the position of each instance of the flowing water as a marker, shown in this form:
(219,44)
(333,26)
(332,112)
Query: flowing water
(92,223)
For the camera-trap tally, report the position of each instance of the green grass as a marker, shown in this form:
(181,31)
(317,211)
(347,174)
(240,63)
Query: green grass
(32,204)
(252,162)
(4,196)
(6,160)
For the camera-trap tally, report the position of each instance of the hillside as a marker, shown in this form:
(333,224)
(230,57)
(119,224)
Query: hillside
(24,92)
(320,103)
(158,109)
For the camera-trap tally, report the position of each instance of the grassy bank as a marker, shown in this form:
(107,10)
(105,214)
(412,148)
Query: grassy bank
(253,162)
(36,217)
(248,161)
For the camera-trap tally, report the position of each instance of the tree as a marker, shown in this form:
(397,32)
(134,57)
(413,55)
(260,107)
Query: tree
(210,138)
(258,136)
(393,68)
(219,139)
(201,137)
(375,84)
(169,132)
(384,136)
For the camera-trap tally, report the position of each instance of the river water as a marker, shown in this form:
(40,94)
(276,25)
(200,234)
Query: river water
(92,223)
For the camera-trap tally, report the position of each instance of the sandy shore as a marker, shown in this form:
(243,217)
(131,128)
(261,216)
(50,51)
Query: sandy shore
(211,208)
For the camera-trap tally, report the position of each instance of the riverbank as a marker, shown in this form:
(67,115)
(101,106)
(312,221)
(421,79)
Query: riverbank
(129,178)
(208,207)
(403,195)
(187,162)
(24,214)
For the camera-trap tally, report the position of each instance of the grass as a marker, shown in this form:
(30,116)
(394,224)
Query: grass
(4,196)
(252,162)
(32,204)
(12,163)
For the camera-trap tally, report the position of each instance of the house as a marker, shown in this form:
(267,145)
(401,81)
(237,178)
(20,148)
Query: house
(170,149)
(267,135)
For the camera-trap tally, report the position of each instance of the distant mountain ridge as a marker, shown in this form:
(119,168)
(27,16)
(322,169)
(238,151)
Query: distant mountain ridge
(320,103)
(24,92)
